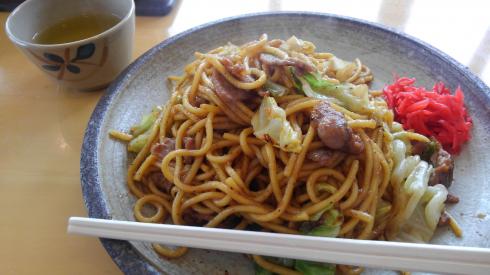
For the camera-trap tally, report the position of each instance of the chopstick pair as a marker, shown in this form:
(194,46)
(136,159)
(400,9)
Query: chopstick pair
(376,254)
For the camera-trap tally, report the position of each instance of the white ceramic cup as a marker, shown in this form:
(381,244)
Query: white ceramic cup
(87,64)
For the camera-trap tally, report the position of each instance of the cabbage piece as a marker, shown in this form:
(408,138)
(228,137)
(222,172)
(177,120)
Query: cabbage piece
(342,69)
(296,82)
(141,131)
(146,122)
(137,143)
(435,196)
(415,187)
(353,97)
(309,92)
(345,72)
(298,45)
(314,268)
(423,222)
(275,89)
(338,63)
(403,166)
(270,124)
(294,44)
(331,225)
(332,221)
(418,220)
(412,216)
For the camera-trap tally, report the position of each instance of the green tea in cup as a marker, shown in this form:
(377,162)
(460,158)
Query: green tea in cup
(76,28)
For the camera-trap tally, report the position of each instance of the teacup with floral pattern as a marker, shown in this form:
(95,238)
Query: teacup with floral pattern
(87,64)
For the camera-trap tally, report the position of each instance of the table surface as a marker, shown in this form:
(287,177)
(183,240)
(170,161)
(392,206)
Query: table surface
(42,125)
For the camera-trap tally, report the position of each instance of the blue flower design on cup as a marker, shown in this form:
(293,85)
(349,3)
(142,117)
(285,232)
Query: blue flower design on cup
(61,64)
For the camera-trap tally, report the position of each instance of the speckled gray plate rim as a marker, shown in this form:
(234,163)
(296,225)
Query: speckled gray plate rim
(123,253)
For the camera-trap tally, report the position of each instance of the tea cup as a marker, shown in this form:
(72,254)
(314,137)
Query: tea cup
(87,64)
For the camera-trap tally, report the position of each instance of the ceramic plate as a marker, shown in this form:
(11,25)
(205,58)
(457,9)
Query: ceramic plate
(387,52)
